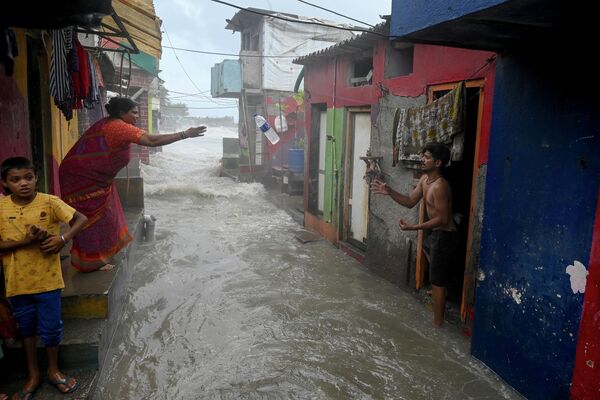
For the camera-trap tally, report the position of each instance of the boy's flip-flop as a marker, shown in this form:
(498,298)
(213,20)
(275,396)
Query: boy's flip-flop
(64,382)
(27,394)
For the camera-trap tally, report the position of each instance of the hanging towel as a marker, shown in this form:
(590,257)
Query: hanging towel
(8,50)
(441,121)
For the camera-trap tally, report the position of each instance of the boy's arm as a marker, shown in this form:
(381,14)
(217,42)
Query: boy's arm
(33,234)
(54,243)
(77,224)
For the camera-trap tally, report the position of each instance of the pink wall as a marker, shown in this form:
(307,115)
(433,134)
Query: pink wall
(14,119)
(432,65)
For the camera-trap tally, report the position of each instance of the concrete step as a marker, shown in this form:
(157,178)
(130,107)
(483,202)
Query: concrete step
(88,295)
(78,349)
(46,391)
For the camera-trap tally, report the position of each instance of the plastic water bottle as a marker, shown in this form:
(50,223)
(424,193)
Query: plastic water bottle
(264,126)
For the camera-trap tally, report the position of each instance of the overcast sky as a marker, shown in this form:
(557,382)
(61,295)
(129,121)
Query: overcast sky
(200,25)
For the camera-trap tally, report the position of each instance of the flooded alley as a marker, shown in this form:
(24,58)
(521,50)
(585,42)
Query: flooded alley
(227,304)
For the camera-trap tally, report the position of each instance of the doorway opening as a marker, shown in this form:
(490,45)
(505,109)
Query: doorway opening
(39,114)
(461,176)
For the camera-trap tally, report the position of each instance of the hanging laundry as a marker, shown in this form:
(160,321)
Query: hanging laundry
(441,121)
(60,77)
(8,50)
(80,74)
(94,93)
(99,77)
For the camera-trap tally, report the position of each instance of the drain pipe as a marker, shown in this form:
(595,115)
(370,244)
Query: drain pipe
(149,226)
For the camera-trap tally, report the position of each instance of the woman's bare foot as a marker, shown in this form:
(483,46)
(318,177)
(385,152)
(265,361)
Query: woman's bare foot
(106,267)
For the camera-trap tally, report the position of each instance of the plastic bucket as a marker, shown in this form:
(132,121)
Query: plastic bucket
(296,160)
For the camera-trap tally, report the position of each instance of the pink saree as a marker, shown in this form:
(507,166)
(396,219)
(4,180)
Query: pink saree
(87,184)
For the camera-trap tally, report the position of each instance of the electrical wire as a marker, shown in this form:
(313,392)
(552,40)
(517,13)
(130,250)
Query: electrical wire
(352,29)
(188,75)
(227,54)
(199,108)
(336,13)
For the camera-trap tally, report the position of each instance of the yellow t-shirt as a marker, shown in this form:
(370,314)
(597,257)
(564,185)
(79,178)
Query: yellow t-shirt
(27,270)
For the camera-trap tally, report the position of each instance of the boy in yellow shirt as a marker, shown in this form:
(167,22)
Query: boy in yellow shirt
(30,241)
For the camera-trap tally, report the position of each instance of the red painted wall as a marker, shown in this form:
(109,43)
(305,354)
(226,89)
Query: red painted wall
(432,65)
(277,153)
(586,375)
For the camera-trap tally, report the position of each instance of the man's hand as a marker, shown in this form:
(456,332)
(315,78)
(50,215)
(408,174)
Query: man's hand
(52,244)
(195,132)
(379,187)
(405,226)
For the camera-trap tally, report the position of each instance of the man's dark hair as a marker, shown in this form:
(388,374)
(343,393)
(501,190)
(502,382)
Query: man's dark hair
(439,151)
(15,163)
(118,105)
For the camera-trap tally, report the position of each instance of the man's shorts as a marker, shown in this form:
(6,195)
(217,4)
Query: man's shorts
(442,248)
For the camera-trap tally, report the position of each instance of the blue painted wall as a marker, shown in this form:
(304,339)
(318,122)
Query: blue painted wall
(413,15)
(540,200)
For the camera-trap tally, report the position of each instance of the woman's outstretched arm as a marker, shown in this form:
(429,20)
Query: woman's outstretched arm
(161,140)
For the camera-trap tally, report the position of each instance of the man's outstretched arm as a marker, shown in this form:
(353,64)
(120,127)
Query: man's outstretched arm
(379,187)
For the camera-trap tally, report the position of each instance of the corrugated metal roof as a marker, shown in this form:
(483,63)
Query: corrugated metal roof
(357,44)
(141,22)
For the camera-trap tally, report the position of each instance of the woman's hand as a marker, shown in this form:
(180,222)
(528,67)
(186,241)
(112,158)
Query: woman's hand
(195,132)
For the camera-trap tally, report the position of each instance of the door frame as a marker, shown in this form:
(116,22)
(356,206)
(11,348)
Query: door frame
(348,147)
(421,261)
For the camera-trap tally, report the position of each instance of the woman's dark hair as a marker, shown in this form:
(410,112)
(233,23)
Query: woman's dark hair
(15,163)
(439,151)
(118,105)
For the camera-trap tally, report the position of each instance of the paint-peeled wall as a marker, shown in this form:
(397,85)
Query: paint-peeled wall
(390,251)
(540,201)
(14,113)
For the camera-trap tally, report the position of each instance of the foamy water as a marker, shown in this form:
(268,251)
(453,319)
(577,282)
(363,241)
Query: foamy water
(227,304)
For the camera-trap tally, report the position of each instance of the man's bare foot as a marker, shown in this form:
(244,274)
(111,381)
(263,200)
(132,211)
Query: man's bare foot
(106,267)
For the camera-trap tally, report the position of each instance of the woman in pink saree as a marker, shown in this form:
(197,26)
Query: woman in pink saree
(87,181)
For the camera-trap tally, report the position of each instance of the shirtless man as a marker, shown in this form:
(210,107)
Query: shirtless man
(438,201)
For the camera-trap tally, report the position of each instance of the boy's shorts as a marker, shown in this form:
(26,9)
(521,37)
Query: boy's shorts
(39,312)
(442,247)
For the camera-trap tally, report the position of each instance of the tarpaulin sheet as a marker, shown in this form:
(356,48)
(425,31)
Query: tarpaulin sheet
(284,38)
